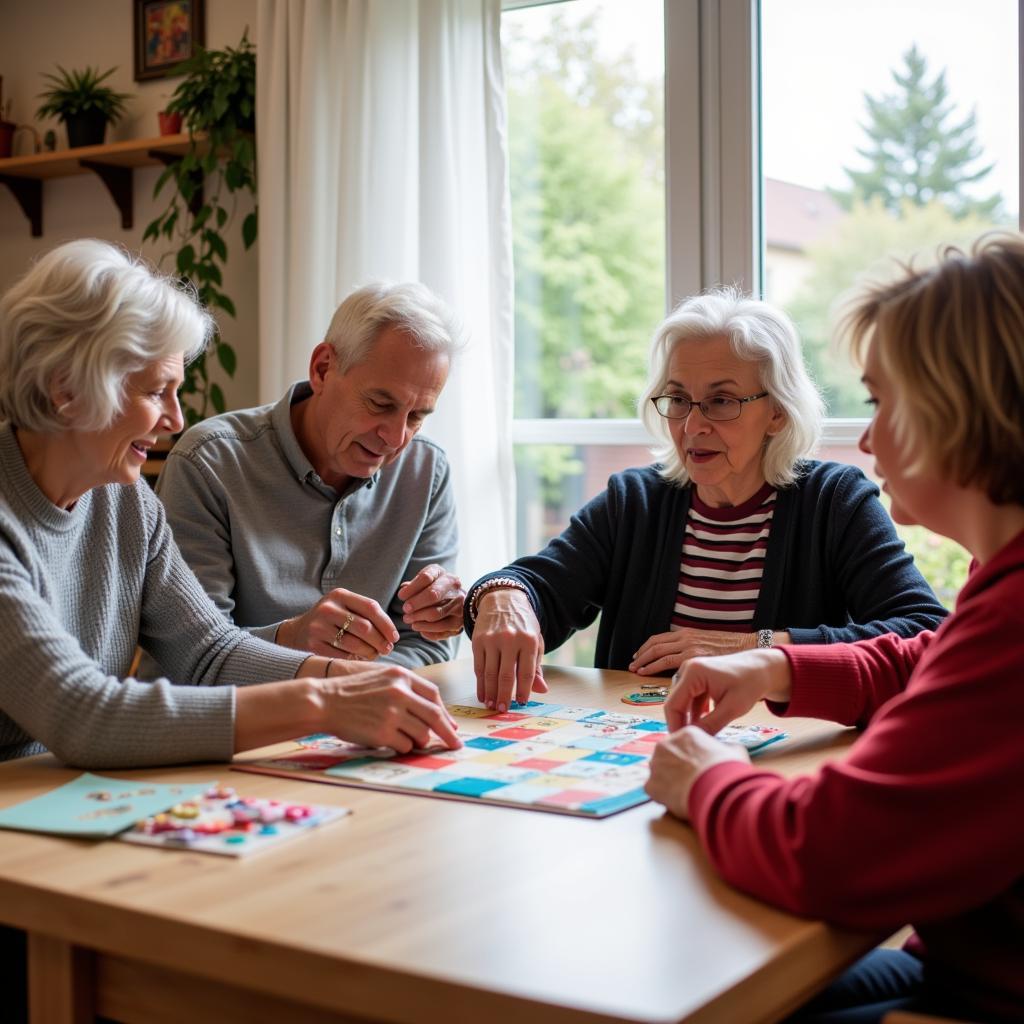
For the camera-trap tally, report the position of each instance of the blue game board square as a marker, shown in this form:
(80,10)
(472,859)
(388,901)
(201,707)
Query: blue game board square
(611,804)
(535,708)
(488,743)
(469,786)
(596,742)
(608,757)
(596,716)
(651,726)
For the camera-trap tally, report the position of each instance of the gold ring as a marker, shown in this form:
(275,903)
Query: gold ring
(336,642)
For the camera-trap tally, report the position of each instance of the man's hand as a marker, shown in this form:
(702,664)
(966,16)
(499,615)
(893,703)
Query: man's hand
(386,706)
(433,603)
(733,685)
(507,649)
(679,760)
(341,624)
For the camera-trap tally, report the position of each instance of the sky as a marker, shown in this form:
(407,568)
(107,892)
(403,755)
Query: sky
(819,57)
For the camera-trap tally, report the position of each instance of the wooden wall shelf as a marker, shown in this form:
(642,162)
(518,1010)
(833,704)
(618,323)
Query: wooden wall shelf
(113,163)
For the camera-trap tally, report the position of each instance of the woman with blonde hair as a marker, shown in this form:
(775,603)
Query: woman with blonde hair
(920,823)
(736,539)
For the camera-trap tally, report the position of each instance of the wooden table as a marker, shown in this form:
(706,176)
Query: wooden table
(413,910)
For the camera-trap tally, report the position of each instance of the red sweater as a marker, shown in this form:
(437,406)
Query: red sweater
(923,821)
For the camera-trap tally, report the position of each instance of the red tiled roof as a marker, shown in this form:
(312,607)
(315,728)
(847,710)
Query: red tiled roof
(795,216)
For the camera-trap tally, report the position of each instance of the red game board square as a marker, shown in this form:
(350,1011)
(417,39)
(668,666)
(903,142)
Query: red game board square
(634,747)
(507,716)
(541,764)
(516,733)
(568,797)
(422,761)
(651,737)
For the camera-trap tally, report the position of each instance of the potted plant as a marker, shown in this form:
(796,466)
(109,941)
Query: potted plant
(83,103)
(217,100)
(170,123)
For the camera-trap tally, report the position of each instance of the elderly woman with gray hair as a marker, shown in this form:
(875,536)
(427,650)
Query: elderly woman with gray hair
(735,540)
(92,351)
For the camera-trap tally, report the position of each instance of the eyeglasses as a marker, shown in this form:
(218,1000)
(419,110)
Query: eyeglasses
(717,407)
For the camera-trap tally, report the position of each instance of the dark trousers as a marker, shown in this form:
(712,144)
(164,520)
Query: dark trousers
(14,975)
(884,980)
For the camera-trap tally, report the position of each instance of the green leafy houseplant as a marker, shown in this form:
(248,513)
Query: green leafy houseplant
(217,101)
(83,103)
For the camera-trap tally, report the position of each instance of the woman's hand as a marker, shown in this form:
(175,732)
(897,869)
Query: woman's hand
(711,692)
(433,603)
(386,706)
(507,649)
(342,624)
(372,705)
(665,652)
(679,760)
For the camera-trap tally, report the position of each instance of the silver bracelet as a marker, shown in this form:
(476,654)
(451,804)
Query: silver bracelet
(495,583)
(765,638)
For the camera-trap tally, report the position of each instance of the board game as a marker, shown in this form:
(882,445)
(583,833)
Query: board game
(541,756)
(204,817)
(222,822)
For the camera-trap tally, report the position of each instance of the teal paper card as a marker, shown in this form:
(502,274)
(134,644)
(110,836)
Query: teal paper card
(95,806)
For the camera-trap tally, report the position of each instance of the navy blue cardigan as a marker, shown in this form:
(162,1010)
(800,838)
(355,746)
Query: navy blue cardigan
(834,569)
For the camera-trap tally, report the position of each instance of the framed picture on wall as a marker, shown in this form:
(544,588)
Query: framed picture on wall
(166,33)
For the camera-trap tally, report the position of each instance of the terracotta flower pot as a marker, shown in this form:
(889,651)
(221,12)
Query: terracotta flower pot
(170,124)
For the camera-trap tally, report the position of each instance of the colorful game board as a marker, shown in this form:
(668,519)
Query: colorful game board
(549,757)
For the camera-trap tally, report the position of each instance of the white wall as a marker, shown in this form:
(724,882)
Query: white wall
(35,36)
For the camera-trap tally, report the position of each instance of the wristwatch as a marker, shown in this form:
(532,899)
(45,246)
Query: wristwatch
(765,638)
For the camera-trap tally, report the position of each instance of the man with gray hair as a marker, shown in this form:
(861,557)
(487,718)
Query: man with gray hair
(323,522)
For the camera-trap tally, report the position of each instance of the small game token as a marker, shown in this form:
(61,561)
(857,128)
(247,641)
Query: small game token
(655,697)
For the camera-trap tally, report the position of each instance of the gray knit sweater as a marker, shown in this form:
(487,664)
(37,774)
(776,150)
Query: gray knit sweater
(78,590)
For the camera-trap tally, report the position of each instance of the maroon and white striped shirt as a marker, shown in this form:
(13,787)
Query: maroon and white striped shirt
(723,562)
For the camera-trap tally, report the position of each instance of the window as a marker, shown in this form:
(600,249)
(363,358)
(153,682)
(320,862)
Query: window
(585,84)
(636,183)
(879,145)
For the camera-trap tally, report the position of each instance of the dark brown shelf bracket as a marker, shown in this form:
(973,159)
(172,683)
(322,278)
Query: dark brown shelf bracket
(29,193)
(196,203)
(119,184)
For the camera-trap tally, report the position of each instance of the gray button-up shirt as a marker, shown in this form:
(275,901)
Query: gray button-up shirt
(268,538)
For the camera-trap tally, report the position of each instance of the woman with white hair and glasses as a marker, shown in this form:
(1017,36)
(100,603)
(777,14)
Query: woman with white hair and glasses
(92,351)
(735,540)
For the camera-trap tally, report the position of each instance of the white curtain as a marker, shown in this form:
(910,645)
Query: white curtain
(382,155)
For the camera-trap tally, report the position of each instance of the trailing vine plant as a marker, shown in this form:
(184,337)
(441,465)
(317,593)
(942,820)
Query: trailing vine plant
(217,101)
